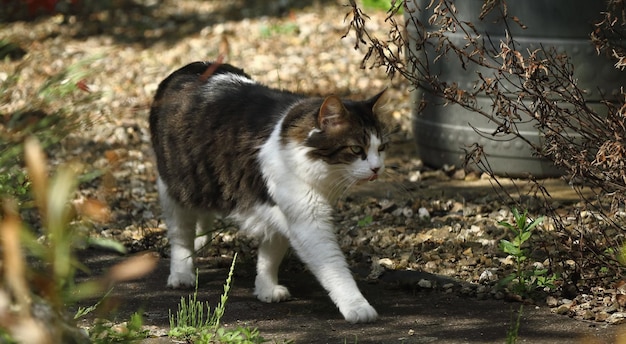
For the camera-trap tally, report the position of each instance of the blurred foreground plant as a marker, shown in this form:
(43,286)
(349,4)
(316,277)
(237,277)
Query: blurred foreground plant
(39,273)
(52,110)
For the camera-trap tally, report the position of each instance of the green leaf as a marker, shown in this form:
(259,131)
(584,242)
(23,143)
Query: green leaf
(521,221)
(90,176)
(366,221)
(524,236)
(506,225)
(509,247)
(135,322)
(621,255)
(108,244)
(506,280)
(533,224)
(86,290)
(515,212)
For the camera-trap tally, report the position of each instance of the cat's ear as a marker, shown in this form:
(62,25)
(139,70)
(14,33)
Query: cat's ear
(382,109)
(332,115)
(380,103)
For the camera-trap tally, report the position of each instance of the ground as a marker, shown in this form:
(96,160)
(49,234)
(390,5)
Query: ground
(424,274)
(408,313)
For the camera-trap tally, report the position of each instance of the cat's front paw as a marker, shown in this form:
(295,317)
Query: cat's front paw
(362,312)
(274,293)
(181,280)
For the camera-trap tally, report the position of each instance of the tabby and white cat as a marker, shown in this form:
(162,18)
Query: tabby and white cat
(272,160)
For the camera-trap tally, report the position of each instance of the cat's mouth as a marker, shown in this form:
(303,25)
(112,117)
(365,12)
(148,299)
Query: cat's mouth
(371,178)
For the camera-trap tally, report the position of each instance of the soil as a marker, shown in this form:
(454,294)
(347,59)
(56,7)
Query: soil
(408,312)
(449,311)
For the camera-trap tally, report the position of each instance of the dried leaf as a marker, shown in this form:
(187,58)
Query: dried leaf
(37,172)
(133,268)
(13,261)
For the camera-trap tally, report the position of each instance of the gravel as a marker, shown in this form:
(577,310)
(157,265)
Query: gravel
(410,220)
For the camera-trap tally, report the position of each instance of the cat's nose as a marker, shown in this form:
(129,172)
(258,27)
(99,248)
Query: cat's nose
(375,169)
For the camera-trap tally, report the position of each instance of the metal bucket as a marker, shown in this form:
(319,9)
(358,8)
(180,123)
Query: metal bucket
(442,132)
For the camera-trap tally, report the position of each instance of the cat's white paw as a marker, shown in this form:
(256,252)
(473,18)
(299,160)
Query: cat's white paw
(362,312)
(274,293)
(181,280)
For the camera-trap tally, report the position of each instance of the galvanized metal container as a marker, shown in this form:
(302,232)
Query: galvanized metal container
(442,132)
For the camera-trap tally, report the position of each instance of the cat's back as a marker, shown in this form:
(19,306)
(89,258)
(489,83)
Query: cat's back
(207,123)
(202,93)
(192,85)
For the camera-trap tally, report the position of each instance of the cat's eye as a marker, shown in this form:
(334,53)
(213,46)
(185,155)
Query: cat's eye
(382,147)
(358,150)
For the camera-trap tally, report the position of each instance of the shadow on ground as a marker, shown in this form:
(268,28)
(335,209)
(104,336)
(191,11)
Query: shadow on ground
(146,22)
(406,316)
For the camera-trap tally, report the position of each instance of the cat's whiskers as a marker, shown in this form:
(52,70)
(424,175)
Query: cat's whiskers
(342,184)
(398,182)
(337,190)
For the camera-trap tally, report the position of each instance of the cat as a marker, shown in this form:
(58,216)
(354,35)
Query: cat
(272,160)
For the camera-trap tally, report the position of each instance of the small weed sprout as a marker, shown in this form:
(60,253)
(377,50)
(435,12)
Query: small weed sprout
(512,334)
(194,322)
(190,317)
(526,277)
(128,332)
(366,221)
(267,31)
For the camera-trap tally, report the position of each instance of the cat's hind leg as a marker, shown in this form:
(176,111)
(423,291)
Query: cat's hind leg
(271,251)
(204,228)
(181,232)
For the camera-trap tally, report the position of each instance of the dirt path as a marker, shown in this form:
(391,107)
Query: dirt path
(407,316)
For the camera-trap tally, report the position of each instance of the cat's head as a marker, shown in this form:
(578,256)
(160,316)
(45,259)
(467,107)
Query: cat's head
(349,137)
